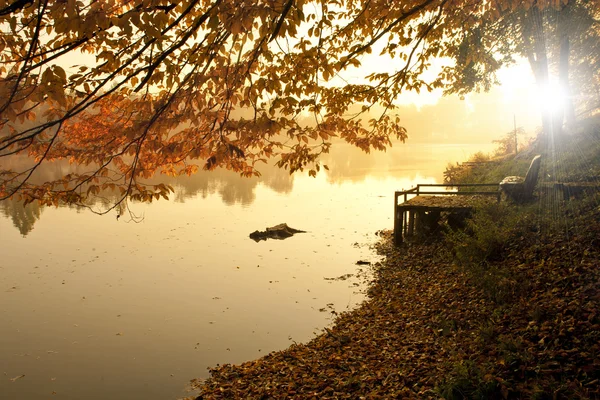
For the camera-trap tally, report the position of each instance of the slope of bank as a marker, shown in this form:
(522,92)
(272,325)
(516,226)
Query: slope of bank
(509,310)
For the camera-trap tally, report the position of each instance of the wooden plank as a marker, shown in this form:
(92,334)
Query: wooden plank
(495,193)
(446,201)
(417,191)
(398,234)
(458,185)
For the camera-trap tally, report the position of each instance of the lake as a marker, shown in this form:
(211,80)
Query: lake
(97,307)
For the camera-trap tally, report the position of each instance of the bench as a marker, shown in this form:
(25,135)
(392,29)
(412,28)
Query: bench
(518,188)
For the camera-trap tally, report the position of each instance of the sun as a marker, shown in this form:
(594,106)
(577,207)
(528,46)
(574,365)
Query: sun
(518,84)
(552,98)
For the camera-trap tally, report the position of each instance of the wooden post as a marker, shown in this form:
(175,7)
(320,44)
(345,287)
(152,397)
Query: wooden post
(419,222)
(400,237)
(411,223)
(397,221)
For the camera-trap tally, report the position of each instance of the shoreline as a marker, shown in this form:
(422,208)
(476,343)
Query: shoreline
(383,348)
(509,311)
(427,331)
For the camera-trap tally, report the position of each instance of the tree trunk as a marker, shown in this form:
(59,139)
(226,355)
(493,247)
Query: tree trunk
(533,37)
(563,76)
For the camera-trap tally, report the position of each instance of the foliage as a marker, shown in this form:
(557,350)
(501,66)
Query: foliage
(454,173)
(466,381)
(480,168)
(170,87)
(548,38)
(495,231)
(491,236)
(487,172)
(479,157)
(487,233)
(509,143)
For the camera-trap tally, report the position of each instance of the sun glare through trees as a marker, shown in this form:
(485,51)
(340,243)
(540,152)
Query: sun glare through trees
(552,98)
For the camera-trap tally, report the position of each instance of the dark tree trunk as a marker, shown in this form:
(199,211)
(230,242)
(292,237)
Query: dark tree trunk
(568,112)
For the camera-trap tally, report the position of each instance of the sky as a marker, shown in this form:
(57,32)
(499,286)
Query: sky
(480,117)
(476,118)
(431,117)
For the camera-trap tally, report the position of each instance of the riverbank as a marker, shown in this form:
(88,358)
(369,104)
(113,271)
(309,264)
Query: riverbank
(510,311)
(395,344)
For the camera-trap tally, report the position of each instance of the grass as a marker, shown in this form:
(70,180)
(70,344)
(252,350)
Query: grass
(469,381)
(500,239)
(573,157)
(495,232)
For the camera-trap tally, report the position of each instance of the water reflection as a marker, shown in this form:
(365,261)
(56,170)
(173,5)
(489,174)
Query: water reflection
(346,164)
(23,217)
(99,308)
(230,186)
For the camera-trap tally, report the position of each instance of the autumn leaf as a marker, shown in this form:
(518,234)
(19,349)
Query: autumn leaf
(223,83)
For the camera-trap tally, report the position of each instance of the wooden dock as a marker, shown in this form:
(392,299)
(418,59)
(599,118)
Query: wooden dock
(422,206)
(569,190)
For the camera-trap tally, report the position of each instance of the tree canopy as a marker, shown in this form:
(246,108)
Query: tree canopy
(130,88)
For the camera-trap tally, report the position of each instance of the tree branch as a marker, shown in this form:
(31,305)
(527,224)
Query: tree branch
(15,6)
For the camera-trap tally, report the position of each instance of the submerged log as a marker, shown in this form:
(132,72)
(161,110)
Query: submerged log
(279,232)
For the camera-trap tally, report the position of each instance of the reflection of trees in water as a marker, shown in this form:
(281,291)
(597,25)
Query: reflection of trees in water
(346,162)
(231,187)
(23,217)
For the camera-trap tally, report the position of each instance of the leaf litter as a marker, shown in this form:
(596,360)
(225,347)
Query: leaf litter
(428,331)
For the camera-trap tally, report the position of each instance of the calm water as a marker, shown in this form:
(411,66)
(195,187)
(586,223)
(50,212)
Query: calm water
(95,308)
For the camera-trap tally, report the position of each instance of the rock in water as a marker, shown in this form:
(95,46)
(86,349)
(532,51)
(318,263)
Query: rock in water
(281,231)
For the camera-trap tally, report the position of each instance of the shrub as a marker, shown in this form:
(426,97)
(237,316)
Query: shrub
(487,232)
(468,381)
(487,239)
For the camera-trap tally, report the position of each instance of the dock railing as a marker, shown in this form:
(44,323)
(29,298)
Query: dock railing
(400,228)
